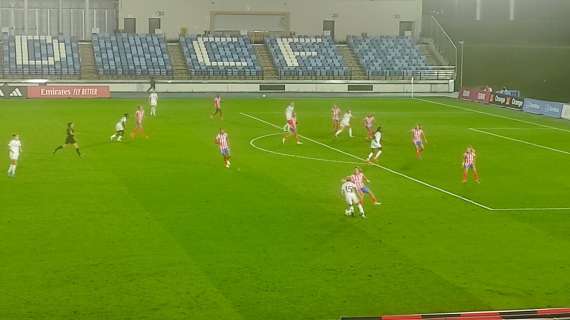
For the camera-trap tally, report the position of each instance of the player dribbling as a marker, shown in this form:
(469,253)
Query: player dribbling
(223,143)
(469,159)
(375,145)
(350,193)
(69,139)
(418,139)
(345,123)
(14,150)
(120,128)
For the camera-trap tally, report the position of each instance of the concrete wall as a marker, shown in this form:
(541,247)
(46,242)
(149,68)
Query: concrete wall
(306,16)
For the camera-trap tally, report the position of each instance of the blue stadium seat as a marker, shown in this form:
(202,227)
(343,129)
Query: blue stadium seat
(304,56)
(131,55)
(220,56)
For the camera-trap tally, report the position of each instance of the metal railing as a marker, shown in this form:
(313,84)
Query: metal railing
(432,29)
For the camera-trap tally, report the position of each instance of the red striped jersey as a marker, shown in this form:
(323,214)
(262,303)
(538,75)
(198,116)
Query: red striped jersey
(336,113)
(369,122)
(418,133)
(218,102)
(222,140)
(139,115)
(469,158)
(292,122)
(358,179)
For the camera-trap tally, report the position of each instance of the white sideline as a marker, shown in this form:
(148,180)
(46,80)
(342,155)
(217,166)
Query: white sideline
(410,178)
(494,115)
(252,143)
(380,166)
(520,141)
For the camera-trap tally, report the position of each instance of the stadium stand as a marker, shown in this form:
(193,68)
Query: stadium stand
(306,57)
(122,54)
(388,56)
(220,56)
(26,56)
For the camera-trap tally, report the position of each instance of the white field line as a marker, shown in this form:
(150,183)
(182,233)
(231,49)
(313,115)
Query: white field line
(252,143)
(531,209)
(520,141)
(379,166)
(494,115)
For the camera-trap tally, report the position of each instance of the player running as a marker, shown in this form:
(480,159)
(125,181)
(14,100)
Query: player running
(292,129)
(14,150)
(469,158)
(217,108)
(289,112)
(153,101)
(350,193)
(345,123)
(335,112)
(359,179)
(418,139)
(139,119)
(223,142)
(368,123)
(70,139)
(120,128)
(375,145)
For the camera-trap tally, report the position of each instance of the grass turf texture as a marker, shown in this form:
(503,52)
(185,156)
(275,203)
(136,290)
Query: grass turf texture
(159,229)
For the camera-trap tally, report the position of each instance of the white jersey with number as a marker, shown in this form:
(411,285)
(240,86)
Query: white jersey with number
(154,99)
(376,142)
(14,147)
(349,190)
(346,119)
(289,112)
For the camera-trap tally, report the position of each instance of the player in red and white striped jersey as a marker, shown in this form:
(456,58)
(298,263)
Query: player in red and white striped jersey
(217,107)
(418,139)
(469,159)
(292,127)
(139,119)
(368,123)
(223,142)
(359,179)
(335,113)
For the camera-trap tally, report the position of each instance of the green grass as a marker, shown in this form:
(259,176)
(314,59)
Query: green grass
(159,229)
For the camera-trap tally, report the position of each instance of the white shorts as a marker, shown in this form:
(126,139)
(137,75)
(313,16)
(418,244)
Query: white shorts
(351,198)
(14,156)
(153,105)
(345,124)
(375,145)
(119,127)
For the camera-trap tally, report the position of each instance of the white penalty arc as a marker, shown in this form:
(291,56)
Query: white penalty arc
(254,140)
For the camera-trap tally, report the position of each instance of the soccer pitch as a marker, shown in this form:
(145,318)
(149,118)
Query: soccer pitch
(160,229)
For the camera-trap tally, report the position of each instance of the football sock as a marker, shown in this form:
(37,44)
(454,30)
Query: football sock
(350,132)
(370,155)
(378,154)
(338,132)
(78,152)
(360,208)
(57,149)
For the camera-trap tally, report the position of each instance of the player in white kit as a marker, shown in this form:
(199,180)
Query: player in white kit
(120,128)
(14,150)
(153,101)
(289,112)
(345,123)
(375,145)
(350,193)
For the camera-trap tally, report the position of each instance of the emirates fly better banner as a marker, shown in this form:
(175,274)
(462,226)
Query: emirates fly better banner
(69,92)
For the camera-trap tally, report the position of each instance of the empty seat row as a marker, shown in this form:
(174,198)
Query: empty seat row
(388,55)
(220,56)
(40,55)
(302,56)
(131,54)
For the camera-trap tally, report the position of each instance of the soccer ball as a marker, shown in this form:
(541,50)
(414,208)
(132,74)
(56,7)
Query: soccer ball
(347,212)
(264,95)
